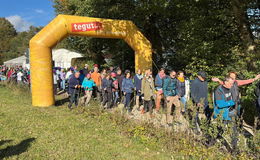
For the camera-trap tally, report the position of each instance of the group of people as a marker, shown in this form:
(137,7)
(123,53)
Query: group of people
(112,86)
(15,74)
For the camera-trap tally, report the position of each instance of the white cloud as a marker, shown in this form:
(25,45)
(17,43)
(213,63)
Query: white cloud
(39,11)
(19,23)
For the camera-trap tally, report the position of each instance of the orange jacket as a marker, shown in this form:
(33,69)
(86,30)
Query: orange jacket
(96,77)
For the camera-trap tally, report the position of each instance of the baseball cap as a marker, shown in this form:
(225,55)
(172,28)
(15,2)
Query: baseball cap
(202,74)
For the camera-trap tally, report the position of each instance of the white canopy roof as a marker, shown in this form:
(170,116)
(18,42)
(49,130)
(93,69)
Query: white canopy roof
(19,61)
(63,57)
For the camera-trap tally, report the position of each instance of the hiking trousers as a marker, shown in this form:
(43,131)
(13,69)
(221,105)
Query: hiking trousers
(107,99)
(74,99)
(148,106)
(170,101)
(87,97)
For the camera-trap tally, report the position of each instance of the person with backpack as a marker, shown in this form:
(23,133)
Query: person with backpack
(115,88)
(127,89)
(224,103)
(148,91)
(88,85)
(107,85)
(159,88)
(171,96)
(74,89)
(138,86)
(235,87)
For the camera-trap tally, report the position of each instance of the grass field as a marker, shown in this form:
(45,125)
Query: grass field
(27,132)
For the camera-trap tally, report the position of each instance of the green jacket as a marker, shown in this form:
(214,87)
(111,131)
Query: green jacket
(169,86)
(148,88)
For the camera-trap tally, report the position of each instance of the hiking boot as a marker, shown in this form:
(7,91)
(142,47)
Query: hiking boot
(142,111)
(169,124)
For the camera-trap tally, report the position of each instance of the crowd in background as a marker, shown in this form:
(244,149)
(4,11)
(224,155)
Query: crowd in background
(15,74)
(111,86)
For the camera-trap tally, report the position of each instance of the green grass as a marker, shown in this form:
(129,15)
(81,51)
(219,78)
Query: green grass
(28,132)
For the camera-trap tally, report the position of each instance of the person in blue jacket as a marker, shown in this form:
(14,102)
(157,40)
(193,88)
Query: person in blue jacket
(138,85)
(74,89)
(107,85)
(224,105)
(158,86)
(127,89)
(88,85)
(199,94)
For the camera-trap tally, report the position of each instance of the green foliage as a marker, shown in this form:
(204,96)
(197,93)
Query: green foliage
(7,32)
(14,44)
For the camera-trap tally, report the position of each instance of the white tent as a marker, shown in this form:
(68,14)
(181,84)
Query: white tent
(19,61)
(62,57)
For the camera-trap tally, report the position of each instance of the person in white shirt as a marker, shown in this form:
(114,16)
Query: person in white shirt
(68,74)
(55,79)
(19,77)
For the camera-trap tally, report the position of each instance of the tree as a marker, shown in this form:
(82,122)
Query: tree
(185,35)
(16,43)
(7,32)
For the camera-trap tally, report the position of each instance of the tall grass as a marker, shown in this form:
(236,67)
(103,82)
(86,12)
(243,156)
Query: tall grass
(136,137)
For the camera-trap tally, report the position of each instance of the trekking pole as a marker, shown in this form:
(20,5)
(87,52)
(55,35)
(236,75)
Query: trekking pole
(155,65)
(135,97)
(78,95)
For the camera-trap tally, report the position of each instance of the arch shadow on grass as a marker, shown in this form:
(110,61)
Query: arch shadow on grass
(17,149)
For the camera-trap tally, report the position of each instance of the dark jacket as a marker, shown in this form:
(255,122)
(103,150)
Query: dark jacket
(158,81)
(138,82)
(120,81)
(85,71)
(73,81)
(235,92)
(199,90)
(223,102)
(170,86)
(181,88)
(257,90)
(107,84)
(127,85)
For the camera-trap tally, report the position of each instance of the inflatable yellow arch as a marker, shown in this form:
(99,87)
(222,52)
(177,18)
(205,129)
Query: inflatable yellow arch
(64,25)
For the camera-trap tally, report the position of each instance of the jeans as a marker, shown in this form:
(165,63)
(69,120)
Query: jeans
(74,98)
(127,101)
(115,97)
(184,102)
(107,99)
(62,84)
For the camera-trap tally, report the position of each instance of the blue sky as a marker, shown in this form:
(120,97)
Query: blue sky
(24,13)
